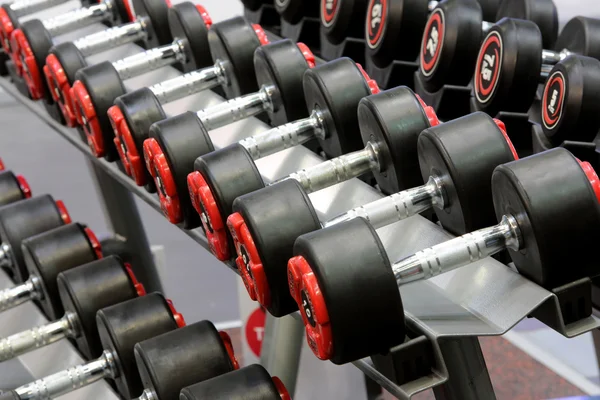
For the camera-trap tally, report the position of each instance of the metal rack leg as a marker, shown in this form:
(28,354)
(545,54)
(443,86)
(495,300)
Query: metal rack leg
(124,218)
(469,378)
(281,347)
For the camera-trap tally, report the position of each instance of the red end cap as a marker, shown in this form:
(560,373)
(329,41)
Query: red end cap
(29,68)
(373,86)
(139,288)
(429,112)
(178,317)
(24,186)
(248,261)
(502,128)
(159,169)
(62,210)
(205,16)
(206,206)
(283,392)
(6,30)
(260,34)
(1,165)
(132,162)
(592,177)
(305,290)
(94,242)
(85,113)
(308,55)
(60,89)
(229,347)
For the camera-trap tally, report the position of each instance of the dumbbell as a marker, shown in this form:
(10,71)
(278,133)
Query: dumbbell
(24,219)
(543,229)
(263,255)
(13,187)
(455,30)
(150,29)
(169,362)
(97,86)
(120,327)
(293,11)
(248,383)
(343,19)
(80,292)
(32,41)
(512,62)
(232,45)
(46,255)
(569,101)
(334,88)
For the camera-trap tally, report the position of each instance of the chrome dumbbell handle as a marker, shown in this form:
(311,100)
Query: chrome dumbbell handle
(5,258)
(111,38)
(150,60)
(69,379)
(237,109)
(398,206)
(459,252)
(25,7)
(337,170)
(23,342)
(79,18)
(432,5)
(188,84)
(285,136)
(148,394)
(12,297)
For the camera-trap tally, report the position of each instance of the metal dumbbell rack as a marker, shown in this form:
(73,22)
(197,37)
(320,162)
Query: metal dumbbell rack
(445,315)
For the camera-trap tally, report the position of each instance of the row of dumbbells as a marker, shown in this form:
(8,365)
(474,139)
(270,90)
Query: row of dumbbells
(93,299)
(463,173)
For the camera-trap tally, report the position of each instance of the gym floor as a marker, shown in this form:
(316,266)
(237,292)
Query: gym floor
(203,289)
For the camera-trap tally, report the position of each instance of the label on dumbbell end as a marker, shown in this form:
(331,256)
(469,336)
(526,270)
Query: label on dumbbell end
(204,218)
(376,19)
(433,41)
(329,10)
(553,100)
(488,68)
(308,311)
(246,261)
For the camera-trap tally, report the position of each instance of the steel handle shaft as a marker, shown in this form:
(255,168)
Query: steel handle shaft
(187,84)
(26,7)
(110,38)
(150,60)
(14,296)
(78,18)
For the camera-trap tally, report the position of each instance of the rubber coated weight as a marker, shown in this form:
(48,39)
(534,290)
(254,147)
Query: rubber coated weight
(275,217)
(446,151)
(186,23)
(3,59)
(343,18)
(293,11)
(88,288)
(393,120)
(569,110)
(71,61)
(123,325)
(155,14)
(11,190)
(581,35)
(249,383)
(254,5)
(169,362)
(391,29)
(48,254)
(357,285)
(489,9)
(40,43)
(541,12)
(24,219)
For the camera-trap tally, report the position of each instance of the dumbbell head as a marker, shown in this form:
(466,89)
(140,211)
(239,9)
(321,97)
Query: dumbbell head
(12,187)
(388,27)
(569,100)
(342,18)
(169,362)
(48,254)
(65,59)
(24,219)
(9,21)
(249,383)
(489,9)
(543,13)
(88,288)
(554,199)
(124,325)
(293,11)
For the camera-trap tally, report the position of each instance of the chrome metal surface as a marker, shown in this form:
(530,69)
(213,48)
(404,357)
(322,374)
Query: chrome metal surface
(111,37)
(16,295)
(551,57)
(150,60)
(79,18)
(432,5)
(187,84)
(486,26)
(148,394)
(5,258)
(25,7)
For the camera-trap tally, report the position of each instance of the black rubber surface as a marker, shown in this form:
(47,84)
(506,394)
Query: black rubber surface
(10,191)
(186,24)
(40,42)
(581,35)
(157,22)
(346,19)
(541,12)
(71,59)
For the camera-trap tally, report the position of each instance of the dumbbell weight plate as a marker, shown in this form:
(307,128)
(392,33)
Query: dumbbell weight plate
(541,12)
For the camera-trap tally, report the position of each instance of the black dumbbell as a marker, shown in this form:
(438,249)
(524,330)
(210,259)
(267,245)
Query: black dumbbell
(169,362)
(543,229)
(97,86)
(455,30)
(248,383)
(466,148)
(150,29)
(80,293)
(46,255)
(232,45)
(293,11)
(24,219)
(331,92)
(570,101)
(343,19)
(512,61)
(120,328)
(13,187)
(34,38)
